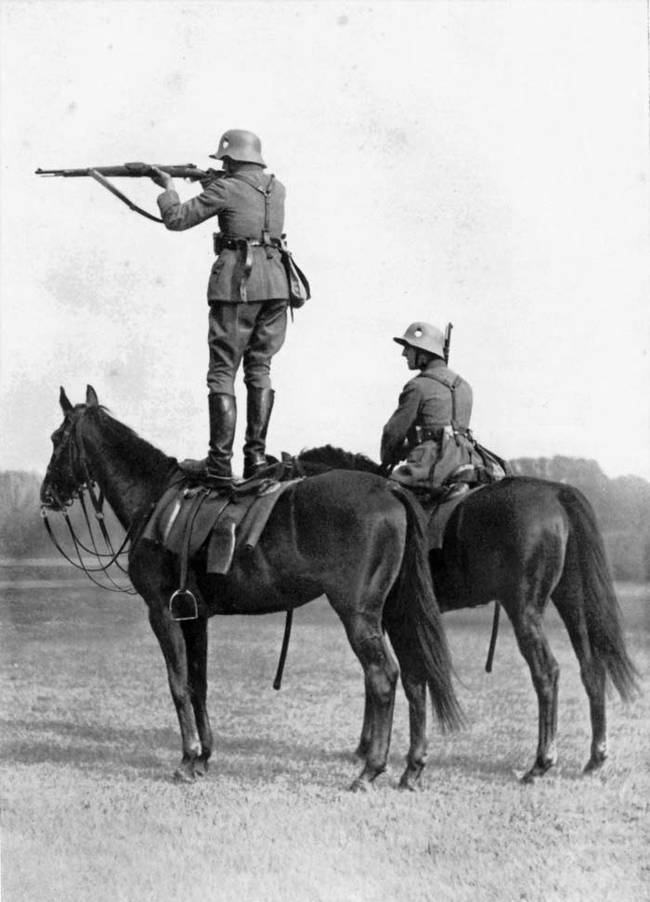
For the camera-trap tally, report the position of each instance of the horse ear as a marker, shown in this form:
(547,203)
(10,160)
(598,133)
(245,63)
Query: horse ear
(66,406)
(91,397)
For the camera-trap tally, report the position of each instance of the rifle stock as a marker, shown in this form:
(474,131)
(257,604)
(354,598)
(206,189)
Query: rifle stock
(447,343)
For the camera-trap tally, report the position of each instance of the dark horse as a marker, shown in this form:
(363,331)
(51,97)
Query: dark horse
(348,535)
(523,542)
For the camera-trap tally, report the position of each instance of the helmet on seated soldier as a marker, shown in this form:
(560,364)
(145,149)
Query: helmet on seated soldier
(427,342)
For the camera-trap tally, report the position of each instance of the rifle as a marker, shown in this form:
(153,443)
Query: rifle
(101,174)
(445,349)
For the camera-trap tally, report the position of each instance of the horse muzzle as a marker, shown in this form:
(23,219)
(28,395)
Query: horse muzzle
(50,500)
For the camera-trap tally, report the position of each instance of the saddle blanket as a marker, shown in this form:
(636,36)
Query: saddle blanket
(187,517)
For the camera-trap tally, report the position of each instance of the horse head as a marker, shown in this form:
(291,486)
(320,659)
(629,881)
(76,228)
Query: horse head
(67,472)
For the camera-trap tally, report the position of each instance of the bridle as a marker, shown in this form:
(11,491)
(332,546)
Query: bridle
(80,471)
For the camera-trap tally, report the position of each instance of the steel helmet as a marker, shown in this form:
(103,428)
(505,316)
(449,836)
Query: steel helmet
(425,337)
(239,145)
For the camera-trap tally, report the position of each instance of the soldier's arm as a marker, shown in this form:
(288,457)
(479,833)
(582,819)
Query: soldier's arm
(179,216)
(396,429)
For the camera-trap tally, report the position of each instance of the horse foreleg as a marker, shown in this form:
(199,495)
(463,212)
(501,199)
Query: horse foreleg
(380,673)
(195,633)
(361,750)
(172,643)
(545,674)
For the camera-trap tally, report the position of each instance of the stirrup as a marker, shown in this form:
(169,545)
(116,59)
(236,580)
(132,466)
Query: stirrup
(183,605)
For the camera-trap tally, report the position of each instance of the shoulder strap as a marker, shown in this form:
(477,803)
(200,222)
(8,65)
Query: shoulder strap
(452,385)
(266,192)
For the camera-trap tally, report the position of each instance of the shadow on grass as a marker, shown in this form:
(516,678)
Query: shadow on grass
(146,752)
(153,753)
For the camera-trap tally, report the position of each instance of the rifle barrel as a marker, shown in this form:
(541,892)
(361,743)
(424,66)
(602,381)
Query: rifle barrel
(131,170)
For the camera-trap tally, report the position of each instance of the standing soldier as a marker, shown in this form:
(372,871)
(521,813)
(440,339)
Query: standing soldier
(247,293)
(430,427)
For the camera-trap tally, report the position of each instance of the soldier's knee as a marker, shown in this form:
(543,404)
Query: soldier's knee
(221,384)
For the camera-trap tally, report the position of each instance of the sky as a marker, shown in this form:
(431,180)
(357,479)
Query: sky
(484,163)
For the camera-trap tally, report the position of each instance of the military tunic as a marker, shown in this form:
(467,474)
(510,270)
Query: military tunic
(430,428)
(248,310)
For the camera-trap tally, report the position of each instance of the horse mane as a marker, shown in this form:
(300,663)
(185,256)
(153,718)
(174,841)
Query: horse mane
(331,458)
(144,458)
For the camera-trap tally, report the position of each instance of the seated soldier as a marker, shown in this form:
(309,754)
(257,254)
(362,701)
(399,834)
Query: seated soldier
(430,427)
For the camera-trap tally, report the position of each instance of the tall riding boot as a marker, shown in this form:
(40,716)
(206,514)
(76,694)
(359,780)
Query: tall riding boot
(258,413)
(223,419)
(216,466)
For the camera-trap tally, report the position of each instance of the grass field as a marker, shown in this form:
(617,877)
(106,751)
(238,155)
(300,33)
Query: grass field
(90,741)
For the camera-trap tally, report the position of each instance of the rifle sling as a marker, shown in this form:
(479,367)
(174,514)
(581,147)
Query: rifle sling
(116,191)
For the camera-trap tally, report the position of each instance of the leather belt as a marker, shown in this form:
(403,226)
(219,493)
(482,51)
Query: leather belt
(435,433)
(245,245)
(237,244)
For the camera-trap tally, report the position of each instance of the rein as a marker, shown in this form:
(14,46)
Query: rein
(97,501)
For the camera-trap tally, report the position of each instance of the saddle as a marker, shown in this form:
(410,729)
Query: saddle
(439,510)
(191,516)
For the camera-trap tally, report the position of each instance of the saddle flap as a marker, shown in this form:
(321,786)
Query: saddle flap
(221,546)
(186,519)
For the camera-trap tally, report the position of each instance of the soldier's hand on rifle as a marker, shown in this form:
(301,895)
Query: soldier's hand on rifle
(160,178)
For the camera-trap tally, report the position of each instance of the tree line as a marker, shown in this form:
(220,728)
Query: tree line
(622,506)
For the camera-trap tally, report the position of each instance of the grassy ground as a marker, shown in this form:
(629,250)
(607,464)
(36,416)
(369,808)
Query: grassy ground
(90,742)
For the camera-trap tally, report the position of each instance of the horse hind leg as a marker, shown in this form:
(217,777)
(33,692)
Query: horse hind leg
(592,670)
(545,673)
(415,688)
(380,672)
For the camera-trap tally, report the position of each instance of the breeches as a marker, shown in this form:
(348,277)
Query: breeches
(254,331)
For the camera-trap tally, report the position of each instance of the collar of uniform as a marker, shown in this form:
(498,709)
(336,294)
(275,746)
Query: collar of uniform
(251,172)
(435,364)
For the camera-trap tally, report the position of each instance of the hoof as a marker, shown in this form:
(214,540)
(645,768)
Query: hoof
(536,772)
(201,767)
(182,775)
(187,771)
(410,783)
(360,785)
(594,765)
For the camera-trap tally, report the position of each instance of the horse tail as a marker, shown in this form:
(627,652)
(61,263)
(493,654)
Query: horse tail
(413,617)
(587,562)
